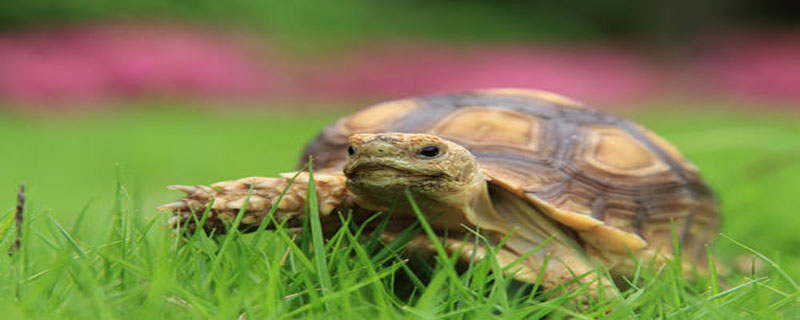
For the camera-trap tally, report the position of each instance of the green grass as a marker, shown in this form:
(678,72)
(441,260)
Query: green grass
(95,247)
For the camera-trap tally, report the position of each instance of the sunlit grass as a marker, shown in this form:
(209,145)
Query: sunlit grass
(96,248)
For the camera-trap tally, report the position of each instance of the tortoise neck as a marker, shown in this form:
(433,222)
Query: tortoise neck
(479,209)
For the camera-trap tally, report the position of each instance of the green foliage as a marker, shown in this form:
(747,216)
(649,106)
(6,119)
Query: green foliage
(314,25)
(315,22)
(113,258)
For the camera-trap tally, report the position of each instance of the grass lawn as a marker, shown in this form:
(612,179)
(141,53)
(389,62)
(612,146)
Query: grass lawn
(95,247)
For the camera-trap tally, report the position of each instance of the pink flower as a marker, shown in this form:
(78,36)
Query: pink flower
(753,66)
(83,64)
(587,73)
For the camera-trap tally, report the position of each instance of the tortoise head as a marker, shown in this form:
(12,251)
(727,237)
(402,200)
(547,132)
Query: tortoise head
(380,167)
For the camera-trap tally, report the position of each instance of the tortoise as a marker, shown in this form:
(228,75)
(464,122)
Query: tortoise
(550,175)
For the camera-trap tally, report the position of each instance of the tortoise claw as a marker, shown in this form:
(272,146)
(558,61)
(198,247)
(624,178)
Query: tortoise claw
(185,189)
(173,205)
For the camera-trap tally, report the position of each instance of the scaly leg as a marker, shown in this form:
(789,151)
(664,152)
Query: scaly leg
(565,266)
(230,196)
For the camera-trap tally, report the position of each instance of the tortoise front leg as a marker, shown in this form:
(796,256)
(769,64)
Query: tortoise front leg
(569,269)
(553,266)
(229,197)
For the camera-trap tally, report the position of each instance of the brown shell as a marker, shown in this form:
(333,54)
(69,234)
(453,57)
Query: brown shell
(620,186)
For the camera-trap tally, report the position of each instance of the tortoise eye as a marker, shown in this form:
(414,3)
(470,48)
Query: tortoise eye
(429,151)
(350,151)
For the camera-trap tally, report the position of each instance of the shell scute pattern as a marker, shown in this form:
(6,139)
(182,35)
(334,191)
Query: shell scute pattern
(491,128)
(614,151)
(618,184)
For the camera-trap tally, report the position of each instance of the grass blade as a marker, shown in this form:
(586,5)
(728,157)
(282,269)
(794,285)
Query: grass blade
(316,233)
(767,260)
(69,238)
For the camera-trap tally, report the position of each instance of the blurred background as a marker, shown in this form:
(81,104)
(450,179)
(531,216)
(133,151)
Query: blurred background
(156,92)
(87,53)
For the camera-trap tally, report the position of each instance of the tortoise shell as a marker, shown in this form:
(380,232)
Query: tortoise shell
(618,185)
